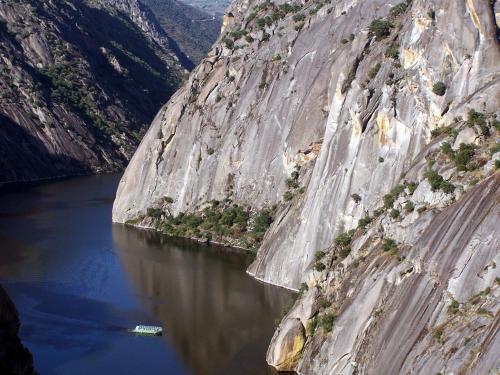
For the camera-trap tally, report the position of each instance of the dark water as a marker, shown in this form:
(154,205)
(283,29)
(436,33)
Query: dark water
(79,282)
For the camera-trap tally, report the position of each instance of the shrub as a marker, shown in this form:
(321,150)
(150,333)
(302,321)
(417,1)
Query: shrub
(441,130)
(326,322)
(412,186)
(380,28)
(398,9)
(463,155)
(154,212)
(372,73)
(299,17)
(324,303)
(291,183)
(344,252)
(319,266)
(395,214)
(448,150)
(319,255)
(434,178)
(288,196)
(229,43)
(344,239)
(364,222)
(392,52)
(298,26)
(431,14)
(262,222)
(168,199)
(249,39)
(303,288)
(356,198)
(438,333)
(479,119)
(497,164)
(409,207)
(454,307)
(210,151)
(313,325)
(439,88)
(389,245)
(380,159)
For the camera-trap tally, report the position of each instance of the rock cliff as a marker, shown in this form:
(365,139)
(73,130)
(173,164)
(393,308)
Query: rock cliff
(79,83)
(369,129)
(15,359)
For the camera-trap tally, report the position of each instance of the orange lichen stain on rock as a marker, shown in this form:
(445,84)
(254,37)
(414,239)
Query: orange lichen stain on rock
(474,16)
(356,125)
(383,124)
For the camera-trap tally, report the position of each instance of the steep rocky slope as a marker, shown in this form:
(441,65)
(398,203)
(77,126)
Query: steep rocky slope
(194,30)
(80,82)
(15,359)
(369,131)
(311,89)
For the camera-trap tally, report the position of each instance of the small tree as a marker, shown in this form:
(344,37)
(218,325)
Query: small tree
(439,88)
(356,198)
(380,28)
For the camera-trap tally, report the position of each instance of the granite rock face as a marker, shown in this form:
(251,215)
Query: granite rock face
(323,94)
(76,96)
(376,142)
(431,308)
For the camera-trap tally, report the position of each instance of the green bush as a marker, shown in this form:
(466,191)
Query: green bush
(441,130)
(479,119)
(299,17)
(437,182)
(381,28)
(464,155)
(327,321)
(154,212)
(288,196)
(344,239)
(364,222)
(412,186)
(356,198)
(389,245)
(448,150)
(319,266)
(398,9)
(229,43)
(497,164)
(439,88)
(394,214)
(319,255)
(454,307)
(392,52)
(262,221)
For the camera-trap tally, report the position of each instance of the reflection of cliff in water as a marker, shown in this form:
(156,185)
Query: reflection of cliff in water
(219,319)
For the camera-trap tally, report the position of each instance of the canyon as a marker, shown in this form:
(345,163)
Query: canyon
(369,130)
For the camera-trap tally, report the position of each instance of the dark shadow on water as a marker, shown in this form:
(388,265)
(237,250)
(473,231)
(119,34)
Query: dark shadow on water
(218,319)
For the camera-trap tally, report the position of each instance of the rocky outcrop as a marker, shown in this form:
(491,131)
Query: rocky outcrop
(427,305)
(15,359)
(80,81)
(283,79)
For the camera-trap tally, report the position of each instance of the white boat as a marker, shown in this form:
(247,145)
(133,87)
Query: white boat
(148,330)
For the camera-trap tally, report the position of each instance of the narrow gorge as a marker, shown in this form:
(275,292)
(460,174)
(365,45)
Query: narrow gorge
(354,146)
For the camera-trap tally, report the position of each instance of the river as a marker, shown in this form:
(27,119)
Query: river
(79,282)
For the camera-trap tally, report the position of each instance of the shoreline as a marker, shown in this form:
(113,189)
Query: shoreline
(236,249)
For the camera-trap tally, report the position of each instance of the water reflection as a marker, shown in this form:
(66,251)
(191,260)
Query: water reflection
(216,317)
